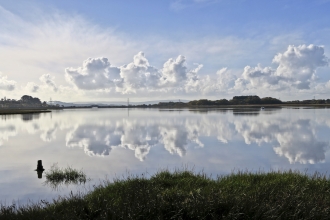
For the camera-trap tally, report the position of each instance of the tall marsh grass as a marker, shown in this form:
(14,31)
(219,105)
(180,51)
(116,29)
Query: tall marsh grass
(188,195)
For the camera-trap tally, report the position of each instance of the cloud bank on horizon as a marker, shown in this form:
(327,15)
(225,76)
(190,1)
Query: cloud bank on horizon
(47,56)
(296,69)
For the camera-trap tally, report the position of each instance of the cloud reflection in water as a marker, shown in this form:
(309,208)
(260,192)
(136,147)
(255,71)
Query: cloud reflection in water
(294,137)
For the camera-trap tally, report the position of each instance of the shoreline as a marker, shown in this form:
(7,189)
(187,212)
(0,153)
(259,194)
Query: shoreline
(204,106)
(36,111)
(22,111)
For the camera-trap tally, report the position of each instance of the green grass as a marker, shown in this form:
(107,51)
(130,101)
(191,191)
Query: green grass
(187,195)
(57,176)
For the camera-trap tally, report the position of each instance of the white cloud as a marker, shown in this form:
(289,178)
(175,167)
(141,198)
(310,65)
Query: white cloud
(174,72)
(296,68)
(134,77)
(299,64)
(48,80)
(32,87)
(96,73)
(223,82)
(6,84)
(138,75)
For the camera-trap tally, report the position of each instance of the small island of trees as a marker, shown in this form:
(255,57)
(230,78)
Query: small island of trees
(26,102)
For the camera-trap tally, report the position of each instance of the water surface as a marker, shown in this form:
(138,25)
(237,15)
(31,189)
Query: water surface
(109,143)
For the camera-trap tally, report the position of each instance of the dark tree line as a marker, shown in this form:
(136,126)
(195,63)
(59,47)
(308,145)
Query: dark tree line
(25,102)
(311,101)
(237,100)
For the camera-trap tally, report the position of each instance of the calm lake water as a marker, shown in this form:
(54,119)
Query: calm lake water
(108,143)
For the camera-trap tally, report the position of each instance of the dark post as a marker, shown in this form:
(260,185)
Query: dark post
(40,167)
(39,172)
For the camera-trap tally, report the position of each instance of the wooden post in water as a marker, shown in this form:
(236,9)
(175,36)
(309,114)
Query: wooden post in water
(40,169)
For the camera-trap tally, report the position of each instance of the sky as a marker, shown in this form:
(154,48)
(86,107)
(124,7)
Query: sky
(76,51)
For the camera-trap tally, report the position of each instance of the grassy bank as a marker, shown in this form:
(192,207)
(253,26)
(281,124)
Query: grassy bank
(185,195)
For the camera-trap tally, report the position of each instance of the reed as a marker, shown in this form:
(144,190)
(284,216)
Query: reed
(57,176)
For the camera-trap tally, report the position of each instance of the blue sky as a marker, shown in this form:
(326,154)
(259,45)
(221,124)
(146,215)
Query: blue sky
(90,50)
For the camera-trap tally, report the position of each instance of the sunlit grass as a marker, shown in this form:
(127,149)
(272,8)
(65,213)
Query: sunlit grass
(57,176)
(188,195)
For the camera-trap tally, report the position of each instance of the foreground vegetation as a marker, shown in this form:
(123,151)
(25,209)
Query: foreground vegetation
(185,195)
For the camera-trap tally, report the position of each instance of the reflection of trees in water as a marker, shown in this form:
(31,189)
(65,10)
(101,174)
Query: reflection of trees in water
(29,117)
(254,111)
(249,111)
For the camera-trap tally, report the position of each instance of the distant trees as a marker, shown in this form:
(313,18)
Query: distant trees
(29,100)
(237,100)
(270,100)
(242,100)
(311,101)
(26,101)
(168,104)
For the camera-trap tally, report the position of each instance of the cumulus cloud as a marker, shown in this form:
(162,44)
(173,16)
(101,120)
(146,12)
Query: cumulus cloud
(32,87)
(48,80)
(258,77)
(301,60)
(222,83)
(174,71)
(296,68)
(6,84)
(95,73)
(139,75)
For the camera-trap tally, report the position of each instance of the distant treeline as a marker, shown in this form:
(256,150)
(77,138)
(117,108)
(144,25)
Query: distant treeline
(236,100)
(25,102)
(240,100)
(32,102)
